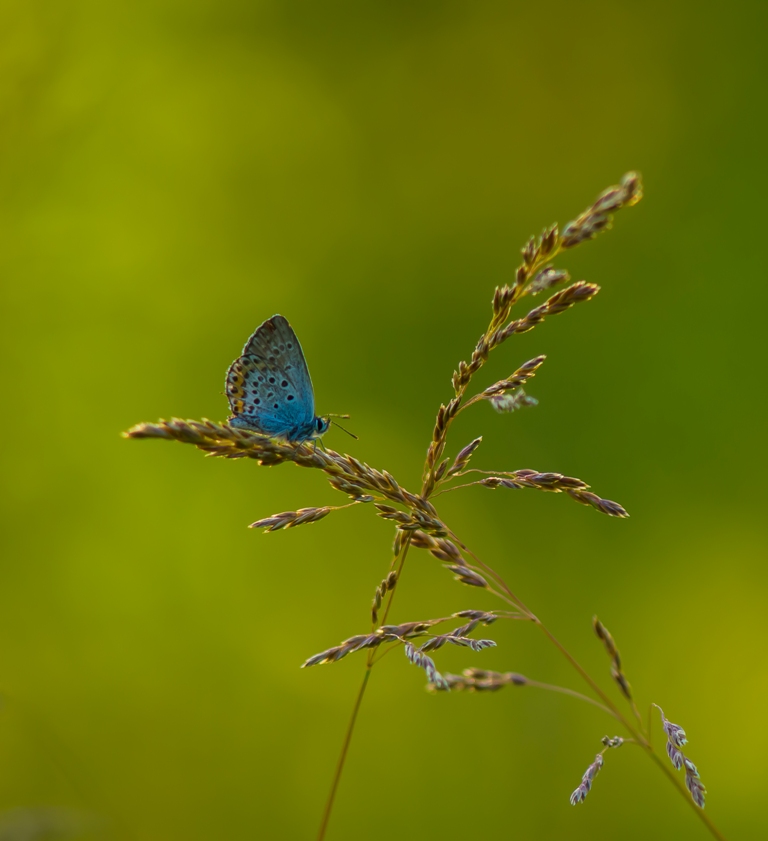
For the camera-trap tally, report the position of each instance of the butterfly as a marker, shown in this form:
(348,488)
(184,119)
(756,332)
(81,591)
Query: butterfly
(269,388)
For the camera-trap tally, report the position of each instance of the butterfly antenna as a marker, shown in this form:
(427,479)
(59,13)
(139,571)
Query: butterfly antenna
(351,434)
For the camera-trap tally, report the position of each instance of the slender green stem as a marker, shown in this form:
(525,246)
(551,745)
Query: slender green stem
(343,756)
(573,694)
(510,596)
(638,736)
(391,595)
(358,701)
(592,683)
(454,488)
(684,793)
(650,724)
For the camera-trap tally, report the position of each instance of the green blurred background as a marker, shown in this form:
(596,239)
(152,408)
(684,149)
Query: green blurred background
(174,173)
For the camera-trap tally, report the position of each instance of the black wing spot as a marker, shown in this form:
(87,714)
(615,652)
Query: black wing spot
(275,406)
(272,380)
(289,346)
(257,401)
(284,383)
(290,397)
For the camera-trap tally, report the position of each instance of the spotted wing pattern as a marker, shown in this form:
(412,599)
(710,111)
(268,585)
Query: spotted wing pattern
(268,387)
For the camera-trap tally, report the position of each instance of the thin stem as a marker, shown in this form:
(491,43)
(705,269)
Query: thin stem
(512,598)
(639,737)
(343,756)
(592,683)
(391,595)
(470,402)
(650,724)
(681,788)
(637,715)
(565,691)
(454,488)
(358,701)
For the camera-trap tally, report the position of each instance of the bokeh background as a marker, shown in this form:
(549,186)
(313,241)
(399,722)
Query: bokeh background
(174,173)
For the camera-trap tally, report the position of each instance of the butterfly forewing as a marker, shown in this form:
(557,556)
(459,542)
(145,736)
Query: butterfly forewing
(268,387)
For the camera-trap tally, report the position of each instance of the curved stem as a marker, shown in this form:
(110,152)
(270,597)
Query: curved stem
(343,756)
(391,595)
(573,694)
(511,597)
(592,683)
(358,701)
(638,736)
(454,488)
(681,788)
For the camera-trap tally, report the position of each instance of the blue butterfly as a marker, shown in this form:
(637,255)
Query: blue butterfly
(269,388)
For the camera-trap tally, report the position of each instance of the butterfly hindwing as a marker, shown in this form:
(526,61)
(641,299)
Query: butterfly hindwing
(268,387)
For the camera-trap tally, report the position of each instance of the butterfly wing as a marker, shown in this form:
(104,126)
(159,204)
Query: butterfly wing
(269,387)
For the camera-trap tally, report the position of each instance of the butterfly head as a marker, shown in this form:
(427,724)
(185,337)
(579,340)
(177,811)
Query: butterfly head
(321,426)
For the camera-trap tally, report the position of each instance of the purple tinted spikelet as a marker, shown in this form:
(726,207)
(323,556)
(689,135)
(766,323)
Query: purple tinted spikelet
(462,459)
(546,279)
(694,784)
(291,519)
(386,586)
(511,402)
(468,576)
(582,791)
(676,738)
(521,376)
(418,658)
(599,217)
(481,680)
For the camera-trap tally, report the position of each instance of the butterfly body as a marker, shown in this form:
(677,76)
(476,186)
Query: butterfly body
(269,388)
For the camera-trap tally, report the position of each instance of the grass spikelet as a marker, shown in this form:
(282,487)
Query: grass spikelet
(521,376)
(418,658)
(442,548)
(676,738)
(505,402)
(291,519)
(599,217)
(694,784)
(386,586)
(546,279)
(468,576)
(605,506)
(610,646)
(580,794)
(462,459)
(483,680)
